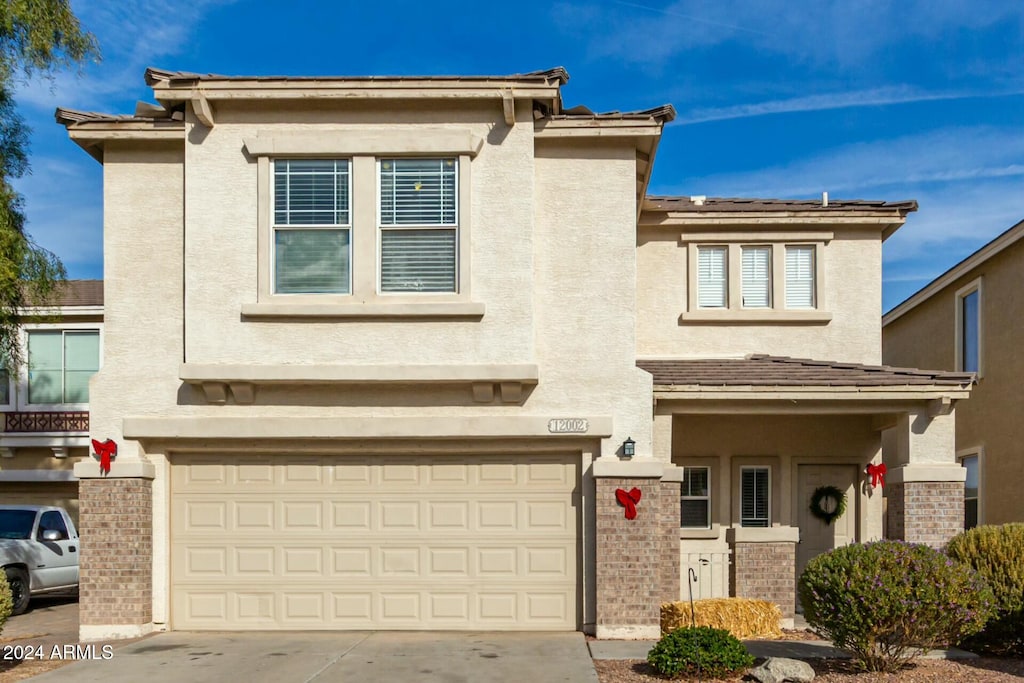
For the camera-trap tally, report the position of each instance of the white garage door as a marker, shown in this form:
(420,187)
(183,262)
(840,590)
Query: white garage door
(381,542)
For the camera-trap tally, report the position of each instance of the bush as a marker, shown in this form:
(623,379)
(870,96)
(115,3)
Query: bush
(888,602)
(6,601)
(997,553)
(742,617)
(710,652)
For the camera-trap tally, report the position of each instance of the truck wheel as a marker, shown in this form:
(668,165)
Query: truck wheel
(17,579)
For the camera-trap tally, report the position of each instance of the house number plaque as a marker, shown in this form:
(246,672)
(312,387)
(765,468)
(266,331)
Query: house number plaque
(568,425)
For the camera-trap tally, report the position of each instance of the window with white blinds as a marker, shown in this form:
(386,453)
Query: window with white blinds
(800,277)
(712,277)
(418,225)
(757,277)
(695,498)
(312,226)
(755,484)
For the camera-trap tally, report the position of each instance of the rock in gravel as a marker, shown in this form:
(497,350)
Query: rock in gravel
(780,670)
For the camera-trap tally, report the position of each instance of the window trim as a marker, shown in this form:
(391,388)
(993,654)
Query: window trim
(20,394)
(727,289)
(363,149)
(735,311)
(707,498)
(974,285)
(739,497)
(979,453)
(744,248)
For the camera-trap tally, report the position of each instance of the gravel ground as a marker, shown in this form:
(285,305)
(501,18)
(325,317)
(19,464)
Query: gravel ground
(983,670)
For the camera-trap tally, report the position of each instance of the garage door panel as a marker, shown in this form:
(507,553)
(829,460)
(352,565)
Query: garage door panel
(404,542)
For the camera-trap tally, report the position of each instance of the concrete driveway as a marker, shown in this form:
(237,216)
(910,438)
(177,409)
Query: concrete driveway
(324,657)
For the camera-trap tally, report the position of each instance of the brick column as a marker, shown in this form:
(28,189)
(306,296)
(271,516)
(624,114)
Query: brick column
(766,571)
(635,568)
(116,563)
(928,512)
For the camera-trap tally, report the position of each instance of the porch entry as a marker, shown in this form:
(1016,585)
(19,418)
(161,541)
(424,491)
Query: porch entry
(817,537)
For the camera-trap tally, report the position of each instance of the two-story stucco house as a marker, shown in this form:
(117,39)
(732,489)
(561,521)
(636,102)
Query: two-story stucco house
(968,319)
(394,353)
(45,401)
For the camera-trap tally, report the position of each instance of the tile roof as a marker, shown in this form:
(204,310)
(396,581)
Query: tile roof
(67,117)
(739,204)
(761,370)
(81,293)
(664,113)
(155,76)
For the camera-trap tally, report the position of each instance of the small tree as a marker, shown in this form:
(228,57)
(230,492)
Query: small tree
(888,602)
(37,37)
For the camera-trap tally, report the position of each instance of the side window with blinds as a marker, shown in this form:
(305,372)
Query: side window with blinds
(712,277)
(755,487)
(695,498)
(800,289)
(418,225)
(312,226)
(757,277)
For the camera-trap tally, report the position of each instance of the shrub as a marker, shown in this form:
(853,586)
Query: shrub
(6,601)
(711,652)
(742,617)
(997,553)
(887,602)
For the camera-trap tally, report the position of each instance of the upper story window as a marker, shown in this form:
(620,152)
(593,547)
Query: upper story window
(695,498)
(800,276)
(312,226)
(712,277)
(60,364)
(419,221)
(757,276)
(755,504)
(968,332)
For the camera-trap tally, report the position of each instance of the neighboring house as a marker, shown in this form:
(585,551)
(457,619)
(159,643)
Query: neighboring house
(968,319)
(394,352)
(45,403)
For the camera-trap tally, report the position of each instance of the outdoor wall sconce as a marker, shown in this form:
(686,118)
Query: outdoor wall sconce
(628,448)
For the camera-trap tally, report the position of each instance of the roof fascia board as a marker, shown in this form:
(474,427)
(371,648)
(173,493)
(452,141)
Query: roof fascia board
(873,220)
(809,392)
(1004,241)
(257,90)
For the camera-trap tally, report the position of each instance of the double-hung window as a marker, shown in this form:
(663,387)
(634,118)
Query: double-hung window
(695,498)
(968,333)
(60,363)
(757,277)
(713,277)
(419,222)
(800,277)
(755,494)
(312,226)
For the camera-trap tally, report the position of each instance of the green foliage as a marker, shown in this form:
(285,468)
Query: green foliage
(37,37)
(888,602)
(997,553)
(710,652)
(6,601)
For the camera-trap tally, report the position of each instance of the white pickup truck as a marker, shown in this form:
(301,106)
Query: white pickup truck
(38,551)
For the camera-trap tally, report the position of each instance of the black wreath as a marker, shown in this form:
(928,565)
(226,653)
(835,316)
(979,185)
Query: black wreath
(820,494)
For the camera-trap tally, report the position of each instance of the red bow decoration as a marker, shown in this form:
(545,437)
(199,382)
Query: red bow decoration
(877,474)
(628,501)
(106,452)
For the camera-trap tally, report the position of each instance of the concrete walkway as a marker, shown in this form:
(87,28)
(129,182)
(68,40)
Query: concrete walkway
(793,649)
(326,657)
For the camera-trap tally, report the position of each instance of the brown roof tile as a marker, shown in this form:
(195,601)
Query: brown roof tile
(664,113)
(740,204)
(769,371)
(81,293)
(155,76)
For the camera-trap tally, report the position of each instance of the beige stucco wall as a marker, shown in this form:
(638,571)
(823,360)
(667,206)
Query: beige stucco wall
(852,291)
(926,337)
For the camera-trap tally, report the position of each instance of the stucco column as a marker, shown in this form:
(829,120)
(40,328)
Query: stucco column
(637,559)
(925,484)
(116,562)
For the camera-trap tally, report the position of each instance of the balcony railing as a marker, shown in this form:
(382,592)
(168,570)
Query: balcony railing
(75,421)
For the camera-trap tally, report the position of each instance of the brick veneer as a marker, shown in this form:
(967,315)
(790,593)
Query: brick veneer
(929,512)
(637,559)
(765,571)
(116,519)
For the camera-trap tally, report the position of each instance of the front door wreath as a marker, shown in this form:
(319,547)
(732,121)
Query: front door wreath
(828,503)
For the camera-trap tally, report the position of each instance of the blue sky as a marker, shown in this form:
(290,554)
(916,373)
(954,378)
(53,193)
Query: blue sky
(921,99)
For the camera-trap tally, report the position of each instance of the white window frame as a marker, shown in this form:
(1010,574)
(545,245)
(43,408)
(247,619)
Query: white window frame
(739,516)
(744,248)
(814,277)
(274,226)
(456,227)
(706,498)
(735,311)
(979,453)
(20,394)
(961,294)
